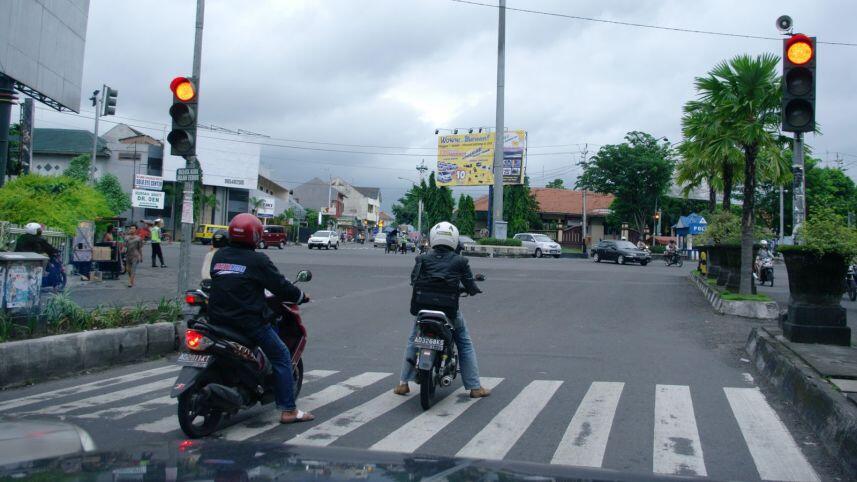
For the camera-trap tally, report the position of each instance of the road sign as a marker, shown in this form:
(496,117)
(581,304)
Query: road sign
(141,198)
(152,183)
(188,174)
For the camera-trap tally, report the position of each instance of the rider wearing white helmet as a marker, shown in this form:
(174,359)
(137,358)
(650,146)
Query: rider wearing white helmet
(444,271)
(33,242)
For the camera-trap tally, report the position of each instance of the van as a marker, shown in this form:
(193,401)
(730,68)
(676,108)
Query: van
(273,235)
(206,231)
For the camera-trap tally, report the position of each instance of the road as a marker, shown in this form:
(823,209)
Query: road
(623,367)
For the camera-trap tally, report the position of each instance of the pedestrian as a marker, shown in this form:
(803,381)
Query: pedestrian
(108,235)
(156,244)
(133,253)
(143,229)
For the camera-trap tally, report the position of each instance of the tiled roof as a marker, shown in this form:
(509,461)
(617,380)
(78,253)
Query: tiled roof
(66,141)
(562,201)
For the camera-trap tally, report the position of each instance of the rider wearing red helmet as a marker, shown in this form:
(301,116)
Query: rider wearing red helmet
(239,278)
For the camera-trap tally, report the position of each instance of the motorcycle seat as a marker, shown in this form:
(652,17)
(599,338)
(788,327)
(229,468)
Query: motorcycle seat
(228,333)
(432,315)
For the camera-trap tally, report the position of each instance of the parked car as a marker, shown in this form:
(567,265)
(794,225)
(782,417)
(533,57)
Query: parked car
(465,240)
(539,244)
(380,240)
(324,239)
(273,236)
(619,251)
(206,231)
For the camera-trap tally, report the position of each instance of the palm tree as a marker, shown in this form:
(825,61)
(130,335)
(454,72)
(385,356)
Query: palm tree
(744,97)
(255,204)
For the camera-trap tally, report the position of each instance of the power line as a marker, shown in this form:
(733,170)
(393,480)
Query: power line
(642,25)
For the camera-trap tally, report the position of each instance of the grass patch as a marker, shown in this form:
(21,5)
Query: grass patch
(572,250)
(712,282)
(727,296)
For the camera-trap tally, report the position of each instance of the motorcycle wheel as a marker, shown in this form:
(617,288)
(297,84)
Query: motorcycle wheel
(426,381)
(190,414)
(298,375)
(679,262)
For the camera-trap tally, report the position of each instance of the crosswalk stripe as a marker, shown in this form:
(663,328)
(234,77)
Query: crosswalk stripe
(774,451)
(117,413)
(105,398)
(84,388)
(585,440)
(500,435)
(309,403)
(314,375)
(412,435)
(348,421)
(677,449)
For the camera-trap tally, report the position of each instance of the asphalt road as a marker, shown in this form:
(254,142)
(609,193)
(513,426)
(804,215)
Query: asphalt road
(622,367)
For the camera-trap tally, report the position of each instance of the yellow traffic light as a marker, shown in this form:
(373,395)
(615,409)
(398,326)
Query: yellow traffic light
(799,49)
(183,89)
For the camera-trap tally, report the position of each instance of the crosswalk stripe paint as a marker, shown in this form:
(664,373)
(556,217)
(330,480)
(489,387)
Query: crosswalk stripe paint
(314,375)
(117,413)
(84,388)
(309,403)
(500,435)
(106,398)
(585,440)
(677,448)
(412,435)
(774,451)
(348,421)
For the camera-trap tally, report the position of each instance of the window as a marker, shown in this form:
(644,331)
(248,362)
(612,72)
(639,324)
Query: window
(541,238)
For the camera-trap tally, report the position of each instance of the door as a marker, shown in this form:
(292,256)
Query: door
(528,242)
(609,253)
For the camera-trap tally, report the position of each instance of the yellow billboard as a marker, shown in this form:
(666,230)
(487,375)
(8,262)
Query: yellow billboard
(468,159)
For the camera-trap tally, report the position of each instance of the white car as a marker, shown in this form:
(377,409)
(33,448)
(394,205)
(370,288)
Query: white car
(539,244)
(380,240)
(324,239)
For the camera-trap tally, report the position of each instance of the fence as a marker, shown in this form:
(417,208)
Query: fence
(9,235)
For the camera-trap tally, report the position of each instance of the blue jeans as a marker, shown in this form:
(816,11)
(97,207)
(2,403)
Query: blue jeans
(281,362)
(466,355)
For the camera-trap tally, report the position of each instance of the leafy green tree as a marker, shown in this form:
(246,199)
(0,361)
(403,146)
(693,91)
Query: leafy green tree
(79,168)
(255,203)
(638,172)
(555,184)
(438,204)
(312,220)
(520,207)
(110,187)
(465,216)
(56,201)
(407,208)
(13,157)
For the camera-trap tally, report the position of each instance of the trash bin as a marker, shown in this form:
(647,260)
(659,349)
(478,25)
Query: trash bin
(21,280)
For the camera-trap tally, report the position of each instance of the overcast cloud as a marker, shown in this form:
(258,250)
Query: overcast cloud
(388,72)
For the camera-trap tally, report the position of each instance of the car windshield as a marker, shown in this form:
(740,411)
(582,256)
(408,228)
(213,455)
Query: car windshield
(625,245)
(321,234)
(541,238)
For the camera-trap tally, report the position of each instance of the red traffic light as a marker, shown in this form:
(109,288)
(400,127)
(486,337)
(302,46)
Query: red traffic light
(799,49)
(183,89)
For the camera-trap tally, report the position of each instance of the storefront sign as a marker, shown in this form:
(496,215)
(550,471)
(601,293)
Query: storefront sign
(141,198)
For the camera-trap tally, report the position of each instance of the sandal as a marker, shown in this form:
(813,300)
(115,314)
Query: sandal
(299,417)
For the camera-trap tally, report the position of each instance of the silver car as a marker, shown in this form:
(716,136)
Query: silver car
(539,244)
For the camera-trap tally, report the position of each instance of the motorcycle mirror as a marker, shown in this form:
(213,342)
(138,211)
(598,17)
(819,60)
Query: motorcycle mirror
(304,275)
(479,277)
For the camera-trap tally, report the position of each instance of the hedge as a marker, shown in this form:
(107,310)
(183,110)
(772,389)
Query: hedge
(499,242)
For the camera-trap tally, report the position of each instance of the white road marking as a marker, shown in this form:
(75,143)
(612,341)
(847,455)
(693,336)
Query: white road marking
(585,440)
(128,410)
(677,449)
(309,403)
(500,435)
(315,375)
(412,435)
(84,388)
(106,398)
(774,451)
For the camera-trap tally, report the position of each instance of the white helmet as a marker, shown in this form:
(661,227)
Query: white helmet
(764,243)
(444,234)
(33,228)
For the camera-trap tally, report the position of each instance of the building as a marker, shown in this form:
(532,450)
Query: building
(53,149)
(315,194)
(362,204)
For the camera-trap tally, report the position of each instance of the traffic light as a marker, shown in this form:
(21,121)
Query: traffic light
(799,79)
(182,137)
(109,103)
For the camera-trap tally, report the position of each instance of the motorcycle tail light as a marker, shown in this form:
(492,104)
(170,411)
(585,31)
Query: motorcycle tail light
(197,341)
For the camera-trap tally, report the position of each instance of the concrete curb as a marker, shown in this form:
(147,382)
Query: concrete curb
(27,361)
(485,251)
(763,310)
(830,414)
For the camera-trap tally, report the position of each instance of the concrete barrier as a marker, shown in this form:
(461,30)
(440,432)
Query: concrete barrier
(764,310)
(486,251)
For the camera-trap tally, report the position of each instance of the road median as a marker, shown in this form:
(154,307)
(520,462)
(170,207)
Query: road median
(764,310)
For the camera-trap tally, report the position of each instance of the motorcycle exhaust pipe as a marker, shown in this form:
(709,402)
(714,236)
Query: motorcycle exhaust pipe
(446,381)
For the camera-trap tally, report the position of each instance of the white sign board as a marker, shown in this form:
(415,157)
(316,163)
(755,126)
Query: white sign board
(152,183)
(226,160)
(266,210)
(141,198)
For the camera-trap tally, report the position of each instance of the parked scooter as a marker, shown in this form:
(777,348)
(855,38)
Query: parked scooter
(851,282)
(223,371)
(765,267)
(437,357)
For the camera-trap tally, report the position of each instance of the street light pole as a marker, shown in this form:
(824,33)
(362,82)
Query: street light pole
(500,131)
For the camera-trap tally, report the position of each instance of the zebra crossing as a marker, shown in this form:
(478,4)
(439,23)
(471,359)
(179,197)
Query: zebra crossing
(347,403)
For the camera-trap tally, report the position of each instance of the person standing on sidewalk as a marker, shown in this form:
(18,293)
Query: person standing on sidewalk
(156,244)
(133,253)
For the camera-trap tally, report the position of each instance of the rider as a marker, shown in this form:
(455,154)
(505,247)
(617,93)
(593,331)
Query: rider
(672,249)
(239,278)
(438,270)
(761,256)
(392,236)
(33,242)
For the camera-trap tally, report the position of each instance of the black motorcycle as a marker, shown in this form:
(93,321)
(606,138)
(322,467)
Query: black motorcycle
(223,371)
(851,282)
(437,358)
(673,259)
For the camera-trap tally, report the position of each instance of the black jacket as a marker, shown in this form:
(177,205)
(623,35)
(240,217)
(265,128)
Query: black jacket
(239,278)
(33,243)
(440,272)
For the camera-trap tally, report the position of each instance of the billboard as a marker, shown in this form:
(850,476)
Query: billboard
(266,210)
(226,160)
(468,159)
(41,48)
(141,198)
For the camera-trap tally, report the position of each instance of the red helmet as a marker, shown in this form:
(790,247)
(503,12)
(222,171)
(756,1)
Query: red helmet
(245,229)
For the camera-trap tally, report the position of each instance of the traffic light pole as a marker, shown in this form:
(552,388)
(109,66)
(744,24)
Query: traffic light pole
(191,161)
(500,131)
(99,101)
(799,187)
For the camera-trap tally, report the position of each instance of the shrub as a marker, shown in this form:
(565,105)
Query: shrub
(657,249)
(826,232)
(724,229)
(499,242)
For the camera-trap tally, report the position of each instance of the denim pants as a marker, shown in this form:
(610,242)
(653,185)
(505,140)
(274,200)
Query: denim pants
(281,362)
(466,355)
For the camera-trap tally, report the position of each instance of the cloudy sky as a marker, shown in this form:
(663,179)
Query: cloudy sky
(327,76)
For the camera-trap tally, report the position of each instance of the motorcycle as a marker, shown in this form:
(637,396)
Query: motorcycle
(851,282)
(437,358)
(54,278)
(223,371)
(766,271)
(673,259)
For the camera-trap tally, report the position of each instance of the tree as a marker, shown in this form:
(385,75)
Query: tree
(407,208)
(312,220)
(255,203)
(117,200)
(79,168)
(438,203)
(744,97)
(638,172)
(13,157)
(203,200)
(465,216)
(555,184)
(57,201)
(520,208)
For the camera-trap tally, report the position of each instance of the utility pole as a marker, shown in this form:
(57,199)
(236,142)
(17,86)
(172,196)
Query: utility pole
(7,98)
(799,186)
(583,231)
(329,194)
(782,214)
(421,169)
(96,102)
(190,162)
(499,226)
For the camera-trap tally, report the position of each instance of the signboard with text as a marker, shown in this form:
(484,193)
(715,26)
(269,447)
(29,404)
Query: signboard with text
(141,198)
(187,174)
(266,210)
(468,159)
(152,183)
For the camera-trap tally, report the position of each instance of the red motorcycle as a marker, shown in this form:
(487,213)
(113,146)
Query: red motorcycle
(223,371)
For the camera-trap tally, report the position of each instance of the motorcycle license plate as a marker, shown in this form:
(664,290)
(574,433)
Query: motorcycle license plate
(430,343)
(193,360)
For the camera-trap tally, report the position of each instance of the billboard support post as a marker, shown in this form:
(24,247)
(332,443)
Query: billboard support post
(7,98)
(500,131)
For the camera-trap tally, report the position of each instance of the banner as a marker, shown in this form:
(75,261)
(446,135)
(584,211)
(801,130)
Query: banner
(266,210)
(152,183)
(468,159)
(140,198)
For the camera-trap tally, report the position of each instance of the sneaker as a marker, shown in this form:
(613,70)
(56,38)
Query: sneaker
(402,389)
(163,266)
(479,392)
